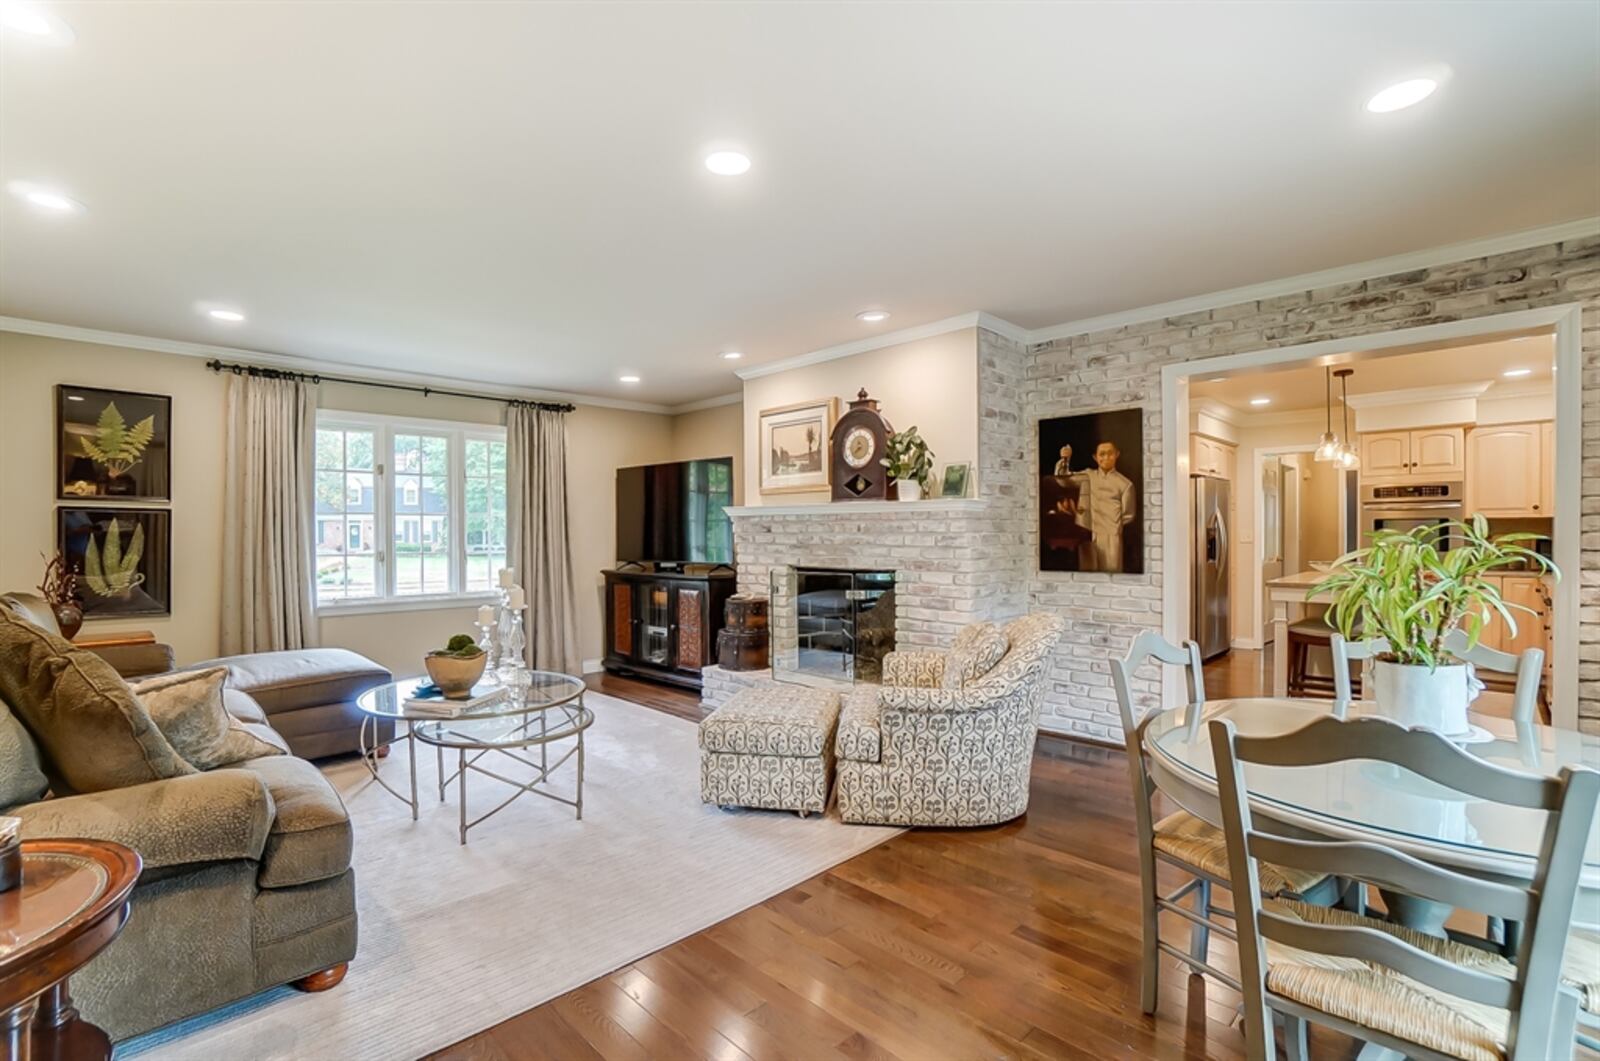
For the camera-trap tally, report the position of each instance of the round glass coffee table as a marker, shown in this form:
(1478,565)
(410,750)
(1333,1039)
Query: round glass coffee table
(541,709)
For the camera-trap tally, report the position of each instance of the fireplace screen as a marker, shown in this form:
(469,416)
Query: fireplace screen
(831,625)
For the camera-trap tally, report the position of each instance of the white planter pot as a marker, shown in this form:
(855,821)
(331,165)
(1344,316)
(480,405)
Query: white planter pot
(1436,699)
(910,490)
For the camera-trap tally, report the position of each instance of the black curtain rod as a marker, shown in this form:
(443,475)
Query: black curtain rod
(262,372)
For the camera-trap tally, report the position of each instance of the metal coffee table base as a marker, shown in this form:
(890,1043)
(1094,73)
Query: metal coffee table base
(535,732)
(371,746)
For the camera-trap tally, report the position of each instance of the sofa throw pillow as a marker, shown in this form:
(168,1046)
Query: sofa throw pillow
(93,733)
(21,778)
(192,714)
(977,649)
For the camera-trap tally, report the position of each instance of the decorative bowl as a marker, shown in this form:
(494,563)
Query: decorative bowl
(455,676)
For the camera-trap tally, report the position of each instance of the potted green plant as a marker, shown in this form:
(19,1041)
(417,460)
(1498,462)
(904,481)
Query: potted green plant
(1411,588)
(456,668)
(910,462)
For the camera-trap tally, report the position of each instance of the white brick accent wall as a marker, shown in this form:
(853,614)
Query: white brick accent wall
(1122,367)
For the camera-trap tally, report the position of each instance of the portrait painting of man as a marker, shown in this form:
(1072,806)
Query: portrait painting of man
(1091,469)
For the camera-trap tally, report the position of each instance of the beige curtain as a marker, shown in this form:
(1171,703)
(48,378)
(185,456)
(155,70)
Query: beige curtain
(268,600)
(536,526)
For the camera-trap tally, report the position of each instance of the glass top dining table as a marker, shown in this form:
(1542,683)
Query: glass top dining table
(1368,800)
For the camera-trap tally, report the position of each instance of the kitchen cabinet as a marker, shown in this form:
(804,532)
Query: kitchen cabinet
(1510,470)
(1432,453)
(1207,456)
(1533,631)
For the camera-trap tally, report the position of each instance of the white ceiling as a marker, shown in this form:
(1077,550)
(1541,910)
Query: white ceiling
(1306,387)
(514,193)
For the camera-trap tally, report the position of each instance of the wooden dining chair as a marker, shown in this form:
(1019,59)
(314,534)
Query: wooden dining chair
(1528,668)
(1180,839)
(1398,988)
(1344,654)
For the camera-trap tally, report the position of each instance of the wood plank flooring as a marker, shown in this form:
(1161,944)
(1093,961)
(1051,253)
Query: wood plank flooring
(1017,941)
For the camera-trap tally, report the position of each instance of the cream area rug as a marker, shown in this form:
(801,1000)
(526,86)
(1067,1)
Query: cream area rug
(455,939)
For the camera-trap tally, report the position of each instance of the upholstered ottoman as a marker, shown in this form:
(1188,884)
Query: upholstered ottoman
(309,695)
(770,747)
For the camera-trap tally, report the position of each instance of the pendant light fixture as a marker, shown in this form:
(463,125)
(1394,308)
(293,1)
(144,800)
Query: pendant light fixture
(1328,444)
(1347,452)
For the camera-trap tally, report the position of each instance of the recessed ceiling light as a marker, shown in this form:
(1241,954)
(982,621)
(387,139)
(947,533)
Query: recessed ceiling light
(629,379)
(1260,401)
(732,355)
(1403,95)
(32,20)
(50,200)
(1513,373)
(232,316)
(727,163)
(873,316)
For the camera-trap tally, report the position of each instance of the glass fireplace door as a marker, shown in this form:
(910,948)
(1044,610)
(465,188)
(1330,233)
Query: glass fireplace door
(830,626)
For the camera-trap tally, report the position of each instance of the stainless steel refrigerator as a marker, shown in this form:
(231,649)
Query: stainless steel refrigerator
(1208,594)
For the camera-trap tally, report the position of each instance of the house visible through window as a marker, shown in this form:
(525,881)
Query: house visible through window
(442,510)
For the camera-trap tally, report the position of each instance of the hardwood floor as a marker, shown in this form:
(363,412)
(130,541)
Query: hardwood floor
(1019,941)
(1240,672)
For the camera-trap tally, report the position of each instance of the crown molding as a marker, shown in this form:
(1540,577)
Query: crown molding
(976,319)
(1411,395)
(50,330)
(1519,388)
(1214,408)
(1399,263)
(707,403)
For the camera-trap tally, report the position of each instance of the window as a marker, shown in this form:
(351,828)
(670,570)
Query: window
(407,509)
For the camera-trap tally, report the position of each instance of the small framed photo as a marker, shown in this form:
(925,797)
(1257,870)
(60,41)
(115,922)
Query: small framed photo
(122,557)
(113,444)
(956,480)
(794,446)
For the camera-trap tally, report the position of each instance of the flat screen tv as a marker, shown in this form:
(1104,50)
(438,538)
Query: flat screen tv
(673,513)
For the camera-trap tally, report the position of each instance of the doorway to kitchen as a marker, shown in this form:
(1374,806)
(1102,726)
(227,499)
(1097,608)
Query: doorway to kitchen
(1416,428)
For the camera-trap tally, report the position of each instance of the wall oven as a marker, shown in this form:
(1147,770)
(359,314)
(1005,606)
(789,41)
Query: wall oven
(1407,506)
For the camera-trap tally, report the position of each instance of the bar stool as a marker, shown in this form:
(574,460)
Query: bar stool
(1303,637)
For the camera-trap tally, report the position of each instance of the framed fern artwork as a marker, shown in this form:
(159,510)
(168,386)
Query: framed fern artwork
(122,557)
(113,444)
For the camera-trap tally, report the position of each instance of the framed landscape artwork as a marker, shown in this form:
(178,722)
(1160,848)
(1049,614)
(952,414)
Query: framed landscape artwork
(114,444)
(794,446)
(122,556)
(1091,469)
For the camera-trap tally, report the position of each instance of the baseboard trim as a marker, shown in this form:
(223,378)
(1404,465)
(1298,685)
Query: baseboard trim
(593,666)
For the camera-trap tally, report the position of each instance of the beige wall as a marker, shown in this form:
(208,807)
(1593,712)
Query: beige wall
(931,384)
(30,368)
(599,440)
(714,432)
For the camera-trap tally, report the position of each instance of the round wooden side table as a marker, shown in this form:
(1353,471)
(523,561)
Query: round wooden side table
(72,903)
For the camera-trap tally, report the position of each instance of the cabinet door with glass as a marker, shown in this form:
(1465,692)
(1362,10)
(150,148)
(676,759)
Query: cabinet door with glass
(654,606)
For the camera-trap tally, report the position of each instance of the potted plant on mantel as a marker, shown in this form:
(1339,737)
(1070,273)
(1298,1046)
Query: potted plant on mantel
(910,462)
(1411,592)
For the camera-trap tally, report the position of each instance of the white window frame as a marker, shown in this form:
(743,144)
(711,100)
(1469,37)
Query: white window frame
(384,428)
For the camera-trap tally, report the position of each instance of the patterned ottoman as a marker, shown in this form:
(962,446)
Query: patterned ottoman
(770,747)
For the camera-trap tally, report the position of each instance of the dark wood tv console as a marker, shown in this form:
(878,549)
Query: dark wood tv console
(664,624)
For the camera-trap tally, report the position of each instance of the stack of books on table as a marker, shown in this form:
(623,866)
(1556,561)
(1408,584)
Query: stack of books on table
(439,707)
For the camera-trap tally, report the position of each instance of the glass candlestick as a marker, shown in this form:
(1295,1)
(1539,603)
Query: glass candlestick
(486,641)
(511,644)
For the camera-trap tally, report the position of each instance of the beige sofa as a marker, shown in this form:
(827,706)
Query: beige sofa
(926,749)
(247,881)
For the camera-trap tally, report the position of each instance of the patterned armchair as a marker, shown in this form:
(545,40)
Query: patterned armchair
(947,740)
